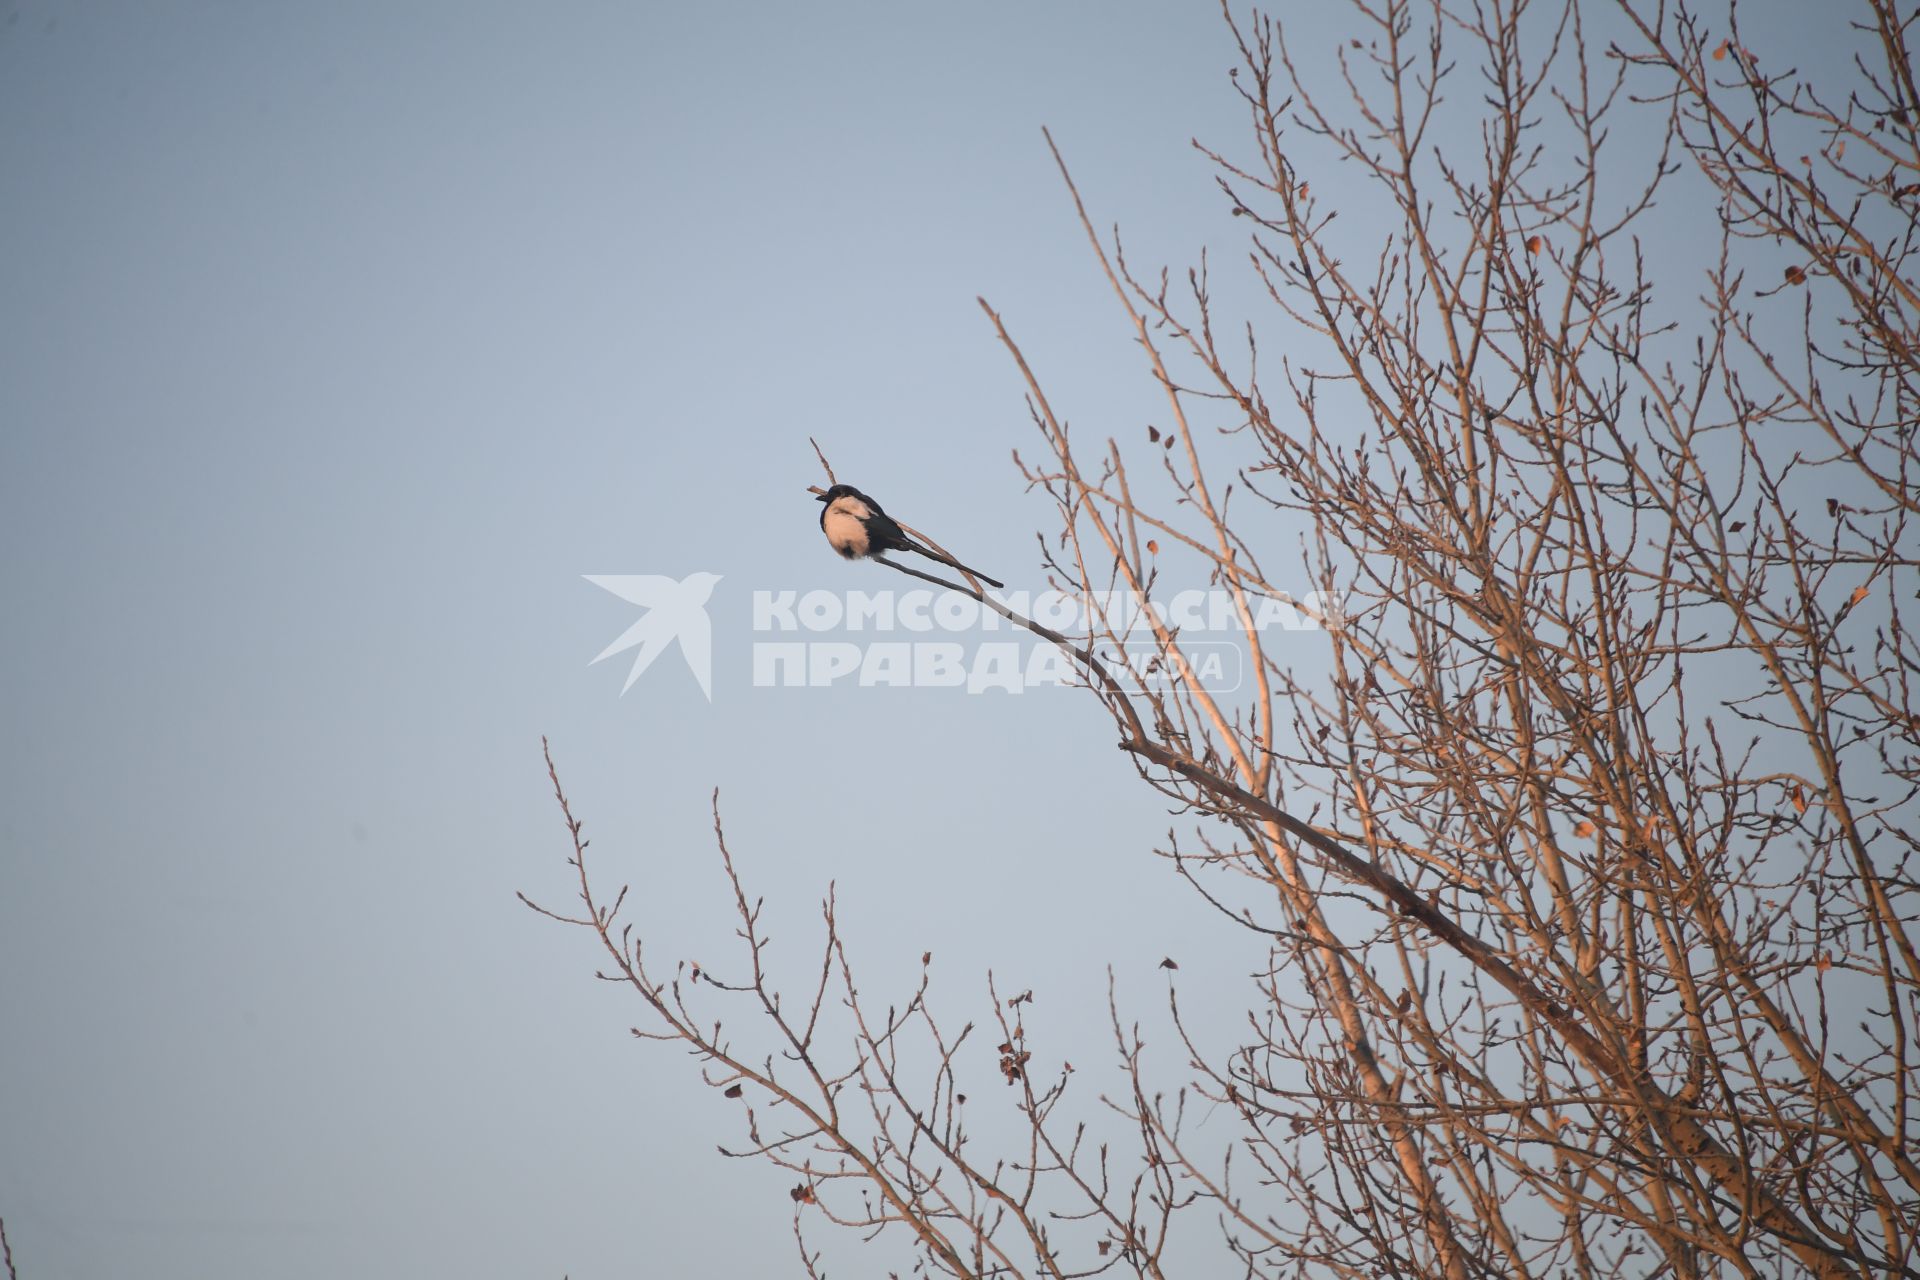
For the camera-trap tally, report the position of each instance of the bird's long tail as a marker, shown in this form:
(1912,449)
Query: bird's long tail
(955,564)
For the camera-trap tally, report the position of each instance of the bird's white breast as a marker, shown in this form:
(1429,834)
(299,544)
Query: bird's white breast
(845,532)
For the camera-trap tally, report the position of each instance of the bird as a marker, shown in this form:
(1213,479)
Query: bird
(856,527)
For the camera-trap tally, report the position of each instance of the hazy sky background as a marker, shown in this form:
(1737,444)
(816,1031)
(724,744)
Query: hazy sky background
(336,343)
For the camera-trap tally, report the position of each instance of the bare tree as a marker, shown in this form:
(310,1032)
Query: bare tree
(1588,870)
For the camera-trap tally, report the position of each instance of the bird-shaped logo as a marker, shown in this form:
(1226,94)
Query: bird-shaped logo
(856,527)
(674,611)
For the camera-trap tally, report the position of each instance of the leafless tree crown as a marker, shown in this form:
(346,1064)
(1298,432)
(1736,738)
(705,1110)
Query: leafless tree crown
(1586,860)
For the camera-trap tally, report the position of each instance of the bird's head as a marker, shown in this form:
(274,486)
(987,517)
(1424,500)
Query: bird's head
(838,491)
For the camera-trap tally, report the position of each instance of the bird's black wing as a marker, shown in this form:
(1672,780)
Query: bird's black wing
(882,533)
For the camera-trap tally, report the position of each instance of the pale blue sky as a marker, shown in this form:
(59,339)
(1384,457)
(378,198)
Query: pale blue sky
(336,343)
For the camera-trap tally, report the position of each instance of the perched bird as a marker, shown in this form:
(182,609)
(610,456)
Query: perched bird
(857,527)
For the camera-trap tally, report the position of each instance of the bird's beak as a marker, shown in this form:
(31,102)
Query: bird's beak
(819,497)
